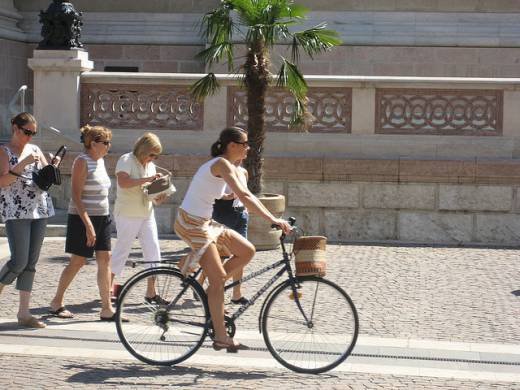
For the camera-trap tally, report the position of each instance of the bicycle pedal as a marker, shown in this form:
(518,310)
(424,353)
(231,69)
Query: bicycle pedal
(291,295)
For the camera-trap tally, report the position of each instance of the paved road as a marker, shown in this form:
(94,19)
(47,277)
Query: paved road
(430,318)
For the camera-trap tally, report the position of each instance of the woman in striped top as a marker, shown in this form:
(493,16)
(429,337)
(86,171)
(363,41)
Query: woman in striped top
(88,224)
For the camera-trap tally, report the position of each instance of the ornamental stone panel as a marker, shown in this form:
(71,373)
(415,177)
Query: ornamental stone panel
(439,111)
(331,108)
(399,196)
(498,228)
(153,107)
(475,198)
(435,227)
(359,225)
(323,195)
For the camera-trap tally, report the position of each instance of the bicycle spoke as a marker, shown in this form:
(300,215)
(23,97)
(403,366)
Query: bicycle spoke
(320,344)
(160,334)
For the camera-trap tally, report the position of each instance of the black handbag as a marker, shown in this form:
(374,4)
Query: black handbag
(50,174)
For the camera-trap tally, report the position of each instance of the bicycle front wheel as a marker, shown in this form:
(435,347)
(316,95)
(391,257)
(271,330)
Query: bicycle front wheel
(316,337)
(169,329)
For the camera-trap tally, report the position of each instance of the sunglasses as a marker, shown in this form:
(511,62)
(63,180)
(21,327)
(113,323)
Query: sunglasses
(106,143)
(153,155)
(244,143)
(28,132)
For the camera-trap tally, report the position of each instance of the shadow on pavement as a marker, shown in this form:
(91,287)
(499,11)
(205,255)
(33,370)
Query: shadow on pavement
(80,308)
(133,374)
(516,293)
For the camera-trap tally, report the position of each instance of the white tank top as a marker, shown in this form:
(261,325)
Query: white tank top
(203,190)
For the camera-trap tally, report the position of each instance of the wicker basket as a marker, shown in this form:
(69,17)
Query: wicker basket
(309,255)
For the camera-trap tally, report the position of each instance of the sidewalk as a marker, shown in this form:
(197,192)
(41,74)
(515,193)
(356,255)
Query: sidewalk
(424,313)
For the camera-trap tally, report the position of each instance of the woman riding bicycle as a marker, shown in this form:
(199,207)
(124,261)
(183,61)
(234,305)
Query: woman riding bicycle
(208,238)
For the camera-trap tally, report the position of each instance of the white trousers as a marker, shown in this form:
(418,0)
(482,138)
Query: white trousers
(128,229)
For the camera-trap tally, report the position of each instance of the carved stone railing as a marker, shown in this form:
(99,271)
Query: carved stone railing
(330,107)
(140,107)
(442,112)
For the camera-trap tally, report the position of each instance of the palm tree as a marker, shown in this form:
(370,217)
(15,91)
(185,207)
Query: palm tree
(260,25)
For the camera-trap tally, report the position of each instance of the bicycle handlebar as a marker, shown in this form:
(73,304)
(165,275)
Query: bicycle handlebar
(291,221)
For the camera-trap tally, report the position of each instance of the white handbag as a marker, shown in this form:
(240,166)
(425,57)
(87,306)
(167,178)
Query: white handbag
(161,186)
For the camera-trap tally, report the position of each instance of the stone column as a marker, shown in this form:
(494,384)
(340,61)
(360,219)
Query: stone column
(57,88)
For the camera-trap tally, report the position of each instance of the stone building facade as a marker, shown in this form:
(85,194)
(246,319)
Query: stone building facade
(372,171)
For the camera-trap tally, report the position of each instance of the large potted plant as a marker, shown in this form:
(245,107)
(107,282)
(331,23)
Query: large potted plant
(260,25)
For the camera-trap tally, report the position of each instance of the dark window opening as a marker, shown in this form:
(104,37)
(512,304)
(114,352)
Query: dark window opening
(121,69)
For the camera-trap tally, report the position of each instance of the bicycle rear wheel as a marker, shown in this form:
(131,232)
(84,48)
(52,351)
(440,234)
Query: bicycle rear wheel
(322,342)
(164,333)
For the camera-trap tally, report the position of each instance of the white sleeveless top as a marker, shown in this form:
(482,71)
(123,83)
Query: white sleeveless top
(203,190)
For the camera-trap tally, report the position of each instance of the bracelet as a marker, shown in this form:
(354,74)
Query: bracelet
(15,174)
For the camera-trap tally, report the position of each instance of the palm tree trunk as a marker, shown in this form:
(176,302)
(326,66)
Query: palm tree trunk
(256,80)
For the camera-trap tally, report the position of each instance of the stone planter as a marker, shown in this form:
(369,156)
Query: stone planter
(259,231)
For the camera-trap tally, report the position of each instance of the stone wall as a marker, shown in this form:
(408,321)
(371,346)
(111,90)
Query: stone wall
(410,201)
(13,74)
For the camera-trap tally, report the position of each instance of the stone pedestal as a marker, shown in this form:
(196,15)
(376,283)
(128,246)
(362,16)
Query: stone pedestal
(57,89)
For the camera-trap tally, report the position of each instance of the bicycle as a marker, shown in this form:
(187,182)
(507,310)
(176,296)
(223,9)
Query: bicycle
(309,324)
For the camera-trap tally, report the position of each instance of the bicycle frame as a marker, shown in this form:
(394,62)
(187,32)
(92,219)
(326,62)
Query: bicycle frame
(285,263)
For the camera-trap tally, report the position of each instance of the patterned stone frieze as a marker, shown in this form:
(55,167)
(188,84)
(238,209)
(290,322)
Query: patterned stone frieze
(153,107)
(443,112)
(331,108)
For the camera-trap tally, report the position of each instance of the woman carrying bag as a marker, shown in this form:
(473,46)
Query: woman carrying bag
(134,212)
(25,209)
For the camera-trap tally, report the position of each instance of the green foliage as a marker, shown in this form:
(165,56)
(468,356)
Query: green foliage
(259,25)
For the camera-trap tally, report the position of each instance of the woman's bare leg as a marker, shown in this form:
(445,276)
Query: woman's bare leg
(104,281)
(243,251)
(212,266)
(67,276)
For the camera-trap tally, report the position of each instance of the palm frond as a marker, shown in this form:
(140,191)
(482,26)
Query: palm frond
(206,86)
(313,41)
(216,53)
(291,78)
(217,26)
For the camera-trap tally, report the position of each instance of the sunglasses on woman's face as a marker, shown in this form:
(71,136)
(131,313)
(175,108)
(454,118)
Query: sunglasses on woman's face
(28,132)
(153,155)
(106,143)
(244,143)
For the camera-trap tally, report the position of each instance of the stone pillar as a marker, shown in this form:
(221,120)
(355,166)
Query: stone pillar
(57,88)
(363,110)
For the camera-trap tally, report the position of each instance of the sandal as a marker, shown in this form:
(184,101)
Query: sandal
(112,318)
(31,322)
(240,301)
(157,299)
(230,347)
(61,312)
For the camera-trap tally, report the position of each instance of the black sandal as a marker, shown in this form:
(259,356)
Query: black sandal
(157,299)
(240,301)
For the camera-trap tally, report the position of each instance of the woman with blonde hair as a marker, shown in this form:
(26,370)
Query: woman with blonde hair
(88,225)
(25,209)
(134,212)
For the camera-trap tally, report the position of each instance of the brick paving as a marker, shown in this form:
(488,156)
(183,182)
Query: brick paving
(57,373)
(441,293)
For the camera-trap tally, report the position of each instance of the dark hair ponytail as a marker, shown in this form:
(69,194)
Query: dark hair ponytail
(228,135)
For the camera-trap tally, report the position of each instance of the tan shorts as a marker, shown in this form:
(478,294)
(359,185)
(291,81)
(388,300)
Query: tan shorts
(199,233)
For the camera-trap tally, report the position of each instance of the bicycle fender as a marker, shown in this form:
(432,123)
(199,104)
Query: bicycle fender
(278,287)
